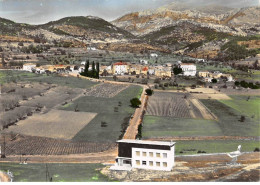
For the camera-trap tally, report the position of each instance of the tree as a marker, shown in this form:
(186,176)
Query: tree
(135,102)
(242,118)
(97,70)
(177,70)
(149,92)
(237,83)
(93,70)
(214,80)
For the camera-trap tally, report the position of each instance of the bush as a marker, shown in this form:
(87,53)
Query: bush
(149,92)
(237,83)
(214,80)
(135,102)
(256,150)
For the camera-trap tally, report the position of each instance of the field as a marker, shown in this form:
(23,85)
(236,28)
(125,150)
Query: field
(16,76)
(32,145)
(154,127)
(112,114)
(216,146)
(207,93)
(248,105)
(229,120)
(177,105)
(58,172)
(54,124)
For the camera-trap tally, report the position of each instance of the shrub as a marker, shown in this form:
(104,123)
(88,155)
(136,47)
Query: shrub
(256,150)
(135,102)
(149,92)
(214,80)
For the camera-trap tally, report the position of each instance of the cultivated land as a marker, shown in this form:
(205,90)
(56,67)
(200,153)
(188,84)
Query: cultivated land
(248,105)
(54,124)
(59,172)
(160,127)
(113,115)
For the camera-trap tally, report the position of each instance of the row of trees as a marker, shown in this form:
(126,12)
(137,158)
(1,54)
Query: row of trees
(247,85)
(94,73)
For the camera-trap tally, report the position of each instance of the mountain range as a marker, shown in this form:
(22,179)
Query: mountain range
(202,31)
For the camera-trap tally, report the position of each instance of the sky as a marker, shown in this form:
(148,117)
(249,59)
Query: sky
(43,11)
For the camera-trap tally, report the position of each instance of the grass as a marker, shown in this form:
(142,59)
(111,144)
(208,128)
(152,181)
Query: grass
(229,119)
(215,146)
(59,172)
(93,132)
(154,126)
(250,108)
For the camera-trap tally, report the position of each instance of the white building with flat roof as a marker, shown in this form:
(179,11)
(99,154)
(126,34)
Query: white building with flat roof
(152,155)
(29,67)
(188,69)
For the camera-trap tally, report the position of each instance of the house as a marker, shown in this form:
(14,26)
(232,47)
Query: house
(152,155)
(204,74)
(144,62)
(29,67)
(189,69)
(161,71)
(120,68)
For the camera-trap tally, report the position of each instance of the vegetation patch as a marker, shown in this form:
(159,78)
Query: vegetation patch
(105,107)
(58,172)
(154,127)
(230,119)
(213,146)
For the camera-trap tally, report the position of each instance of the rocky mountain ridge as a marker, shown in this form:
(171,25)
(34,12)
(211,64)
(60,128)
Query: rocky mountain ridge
(242,21)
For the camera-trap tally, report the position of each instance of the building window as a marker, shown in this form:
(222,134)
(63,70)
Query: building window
(144,163)
(137,153)
(150,163)
(158,155)
(137,162)
(164,155)
(150,154)
(158,164)
(144,154)
(164,164)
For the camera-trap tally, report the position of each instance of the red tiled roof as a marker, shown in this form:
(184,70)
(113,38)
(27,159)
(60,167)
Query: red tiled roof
(120,63)
(145,69)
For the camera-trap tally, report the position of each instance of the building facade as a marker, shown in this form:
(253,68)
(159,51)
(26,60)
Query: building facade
(152,155)
(188,69)
(120,68)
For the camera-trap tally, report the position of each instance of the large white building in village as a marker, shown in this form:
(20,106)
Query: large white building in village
(189,69)
(153,155)
(120,68)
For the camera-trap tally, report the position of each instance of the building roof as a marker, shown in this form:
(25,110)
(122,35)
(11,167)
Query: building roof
(146,142)
(120,63)
(187,64)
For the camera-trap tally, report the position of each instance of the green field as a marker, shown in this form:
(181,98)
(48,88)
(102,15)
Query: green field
(154,126)
(216,146)
(250,108)
(9,76)
(229,119)
(93,132)
(59,172)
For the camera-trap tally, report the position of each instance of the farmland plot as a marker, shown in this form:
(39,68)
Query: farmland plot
(106,90)
(54,124)
(55,96)
(34,145)
(171,105)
